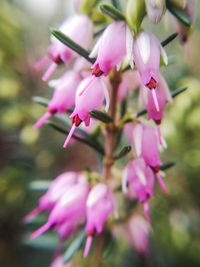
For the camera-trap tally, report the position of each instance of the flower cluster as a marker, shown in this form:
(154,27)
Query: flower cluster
(123,59)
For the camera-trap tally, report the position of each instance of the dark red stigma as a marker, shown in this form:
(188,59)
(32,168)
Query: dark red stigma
(158,122)
(76,120)
(97,71)
(152,84)
(156,169)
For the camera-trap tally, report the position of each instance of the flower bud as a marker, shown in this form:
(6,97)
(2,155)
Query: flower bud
(155,9)
(135,11)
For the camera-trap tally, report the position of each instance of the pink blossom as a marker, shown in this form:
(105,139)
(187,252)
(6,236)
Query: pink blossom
(115,43)
(155,10)
(57,188)
(69,208)
(147,51)
(63,97)
(144,139)
(138,233)
(141,178)
(58,52)
(100,204)
(91,99)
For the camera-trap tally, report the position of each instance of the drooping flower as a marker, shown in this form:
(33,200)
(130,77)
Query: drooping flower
(79,29)
(141,178)
(89,100)
(100,204)
(69,208)
(163,96)
(155,9)
(57,188)
(147,51)
(138,234)
(115,43)
(144,139)
(63,96)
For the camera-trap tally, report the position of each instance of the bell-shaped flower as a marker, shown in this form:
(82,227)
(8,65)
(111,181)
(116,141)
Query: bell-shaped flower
(140,177)
(57,188)
(91,99)
(155,9)
(144,139)
(70,207)
(138,234)
(147,51)
(100,204)
(63,96)
(78,28)
(115,43)
(163,96)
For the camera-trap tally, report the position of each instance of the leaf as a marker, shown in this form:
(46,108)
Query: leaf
(125,150)
(167,165)
(39,185)
(169,39)
(173,94)
(101,116)
(71,44)
(179,14)
(179,91)
(116,4)
(40,100)
(48,241)
(74,246)
(89,141)
(112,12)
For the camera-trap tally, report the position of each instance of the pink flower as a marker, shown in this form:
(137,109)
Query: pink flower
(57,188)
(91,99)
(69,208)
(155,9)
(63,97)
(141,178)
(58,52)
(111,47)
(138,233)
(163,96)
(100,204)
(147,51)
(145,141)
(115,43)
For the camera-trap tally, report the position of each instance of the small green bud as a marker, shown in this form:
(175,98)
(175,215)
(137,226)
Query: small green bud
(135,11)
(87,6)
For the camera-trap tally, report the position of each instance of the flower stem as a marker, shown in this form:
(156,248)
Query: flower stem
(111,128)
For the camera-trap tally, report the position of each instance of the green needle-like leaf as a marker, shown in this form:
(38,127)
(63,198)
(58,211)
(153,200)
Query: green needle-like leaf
(173,94)
(169,39)
(125,150)
(89,141)
(71,44)
(101,116)
(74,246)
(112,12)
(39,185)
(40,100)
(179,14)
(167,165)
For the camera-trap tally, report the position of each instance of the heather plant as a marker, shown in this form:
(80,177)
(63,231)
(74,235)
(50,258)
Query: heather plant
(113,78)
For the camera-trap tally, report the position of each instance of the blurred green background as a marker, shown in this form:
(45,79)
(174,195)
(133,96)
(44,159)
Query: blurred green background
(28,155)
